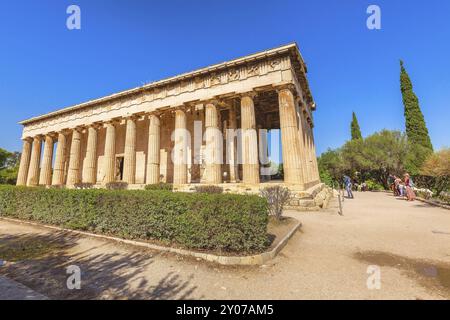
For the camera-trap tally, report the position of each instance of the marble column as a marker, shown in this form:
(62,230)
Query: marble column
(290,139)
(73,176)
(129,160)
(33,171)
(180,148)
(109,162)
(58,170)
(316,167)
(306,165)
(24,162)
(214,151)
(45,178)
(250,163)
(231,145)
(153,150)
(90,161)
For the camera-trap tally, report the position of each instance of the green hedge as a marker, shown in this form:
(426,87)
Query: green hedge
(222,222)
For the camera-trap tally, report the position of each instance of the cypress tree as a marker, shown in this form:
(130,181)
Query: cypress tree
(355,129)
(416,129)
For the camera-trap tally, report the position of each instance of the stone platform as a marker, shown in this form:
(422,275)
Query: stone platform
(315,197)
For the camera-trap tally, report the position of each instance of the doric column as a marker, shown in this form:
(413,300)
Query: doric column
(110,153)
(24,162)
(58,171)
(290,138)
(73,176)
(33,171)
(214,151)
(153,150)
(303,134)
(315,166)
(45,178)
(129,160)
(250,163)
(180,148)
(231,145)
(90,161)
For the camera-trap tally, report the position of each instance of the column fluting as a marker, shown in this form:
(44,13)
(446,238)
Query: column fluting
(33,171)
(90,162)
(250,162)
(290,130)
(179,155)
(73,176)
(58,170)
(214,151)
(24,162)
(45,178)
(109,162)
(129,161)
(153,150)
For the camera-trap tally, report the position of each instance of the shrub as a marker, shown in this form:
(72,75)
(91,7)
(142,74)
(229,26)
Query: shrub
(159,186)
(277,197)
(374,186)
(117,185)
(211,189)
(223,222)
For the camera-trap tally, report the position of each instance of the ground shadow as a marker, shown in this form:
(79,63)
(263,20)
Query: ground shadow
(434,275)
(39,261)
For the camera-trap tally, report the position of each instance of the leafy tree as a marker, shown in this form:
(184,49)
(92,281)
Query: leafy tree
(416,129)
(372,158)
(9,166)
(355,129)
(330,166)
(437,165)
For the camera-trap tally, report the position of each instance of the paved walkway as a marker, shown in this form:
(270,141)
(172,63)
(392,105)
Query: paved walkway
(327,259)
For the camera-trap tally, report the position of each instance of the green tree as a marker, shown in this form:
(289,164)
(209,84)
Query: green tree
(9,166)
(355,129)
(437,166)
(416,129)
(331,166)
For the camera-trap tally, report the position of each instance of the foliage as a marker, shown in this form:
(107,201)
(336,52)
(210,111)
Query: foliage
(277,197)
(198,221)
(416,130)
(159,186)
(9,166)
(331,165)
(374,158)
(437,167)
(211,189)
(374,186)
(355,129)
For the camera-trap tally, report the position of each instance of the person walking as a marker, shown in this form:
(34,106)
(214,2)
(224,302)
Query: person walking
(348,186)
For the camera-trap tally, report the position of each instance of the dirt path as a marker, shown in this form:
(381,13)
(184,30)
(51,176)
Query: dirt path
(328,259)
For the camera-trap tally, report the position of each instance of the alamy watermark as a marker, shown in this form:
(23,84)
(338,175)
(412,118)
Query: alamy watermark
(374,20)
(73,21)
(374,279)
(74,279)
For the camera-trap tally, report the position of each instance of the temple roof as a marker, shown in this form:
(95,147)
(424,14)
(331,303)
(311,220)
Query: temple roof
(292,48)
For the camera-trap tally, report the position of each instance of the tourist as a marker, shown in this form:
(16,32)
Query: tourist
(398,188)
(410,195)
(348,186)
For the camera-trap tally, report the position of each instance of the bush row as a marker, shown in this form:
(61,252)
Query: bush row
(221,222)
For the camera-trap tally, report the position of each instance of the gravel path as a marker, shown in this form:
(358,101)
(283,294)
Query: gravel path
(327,259)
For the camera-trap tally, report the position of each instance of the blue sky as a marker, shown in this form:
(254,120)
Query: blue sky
(123,44)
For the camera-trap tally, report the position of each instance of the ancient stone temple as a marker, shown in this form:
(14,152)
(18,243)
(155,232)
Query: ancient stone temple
(209,126)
